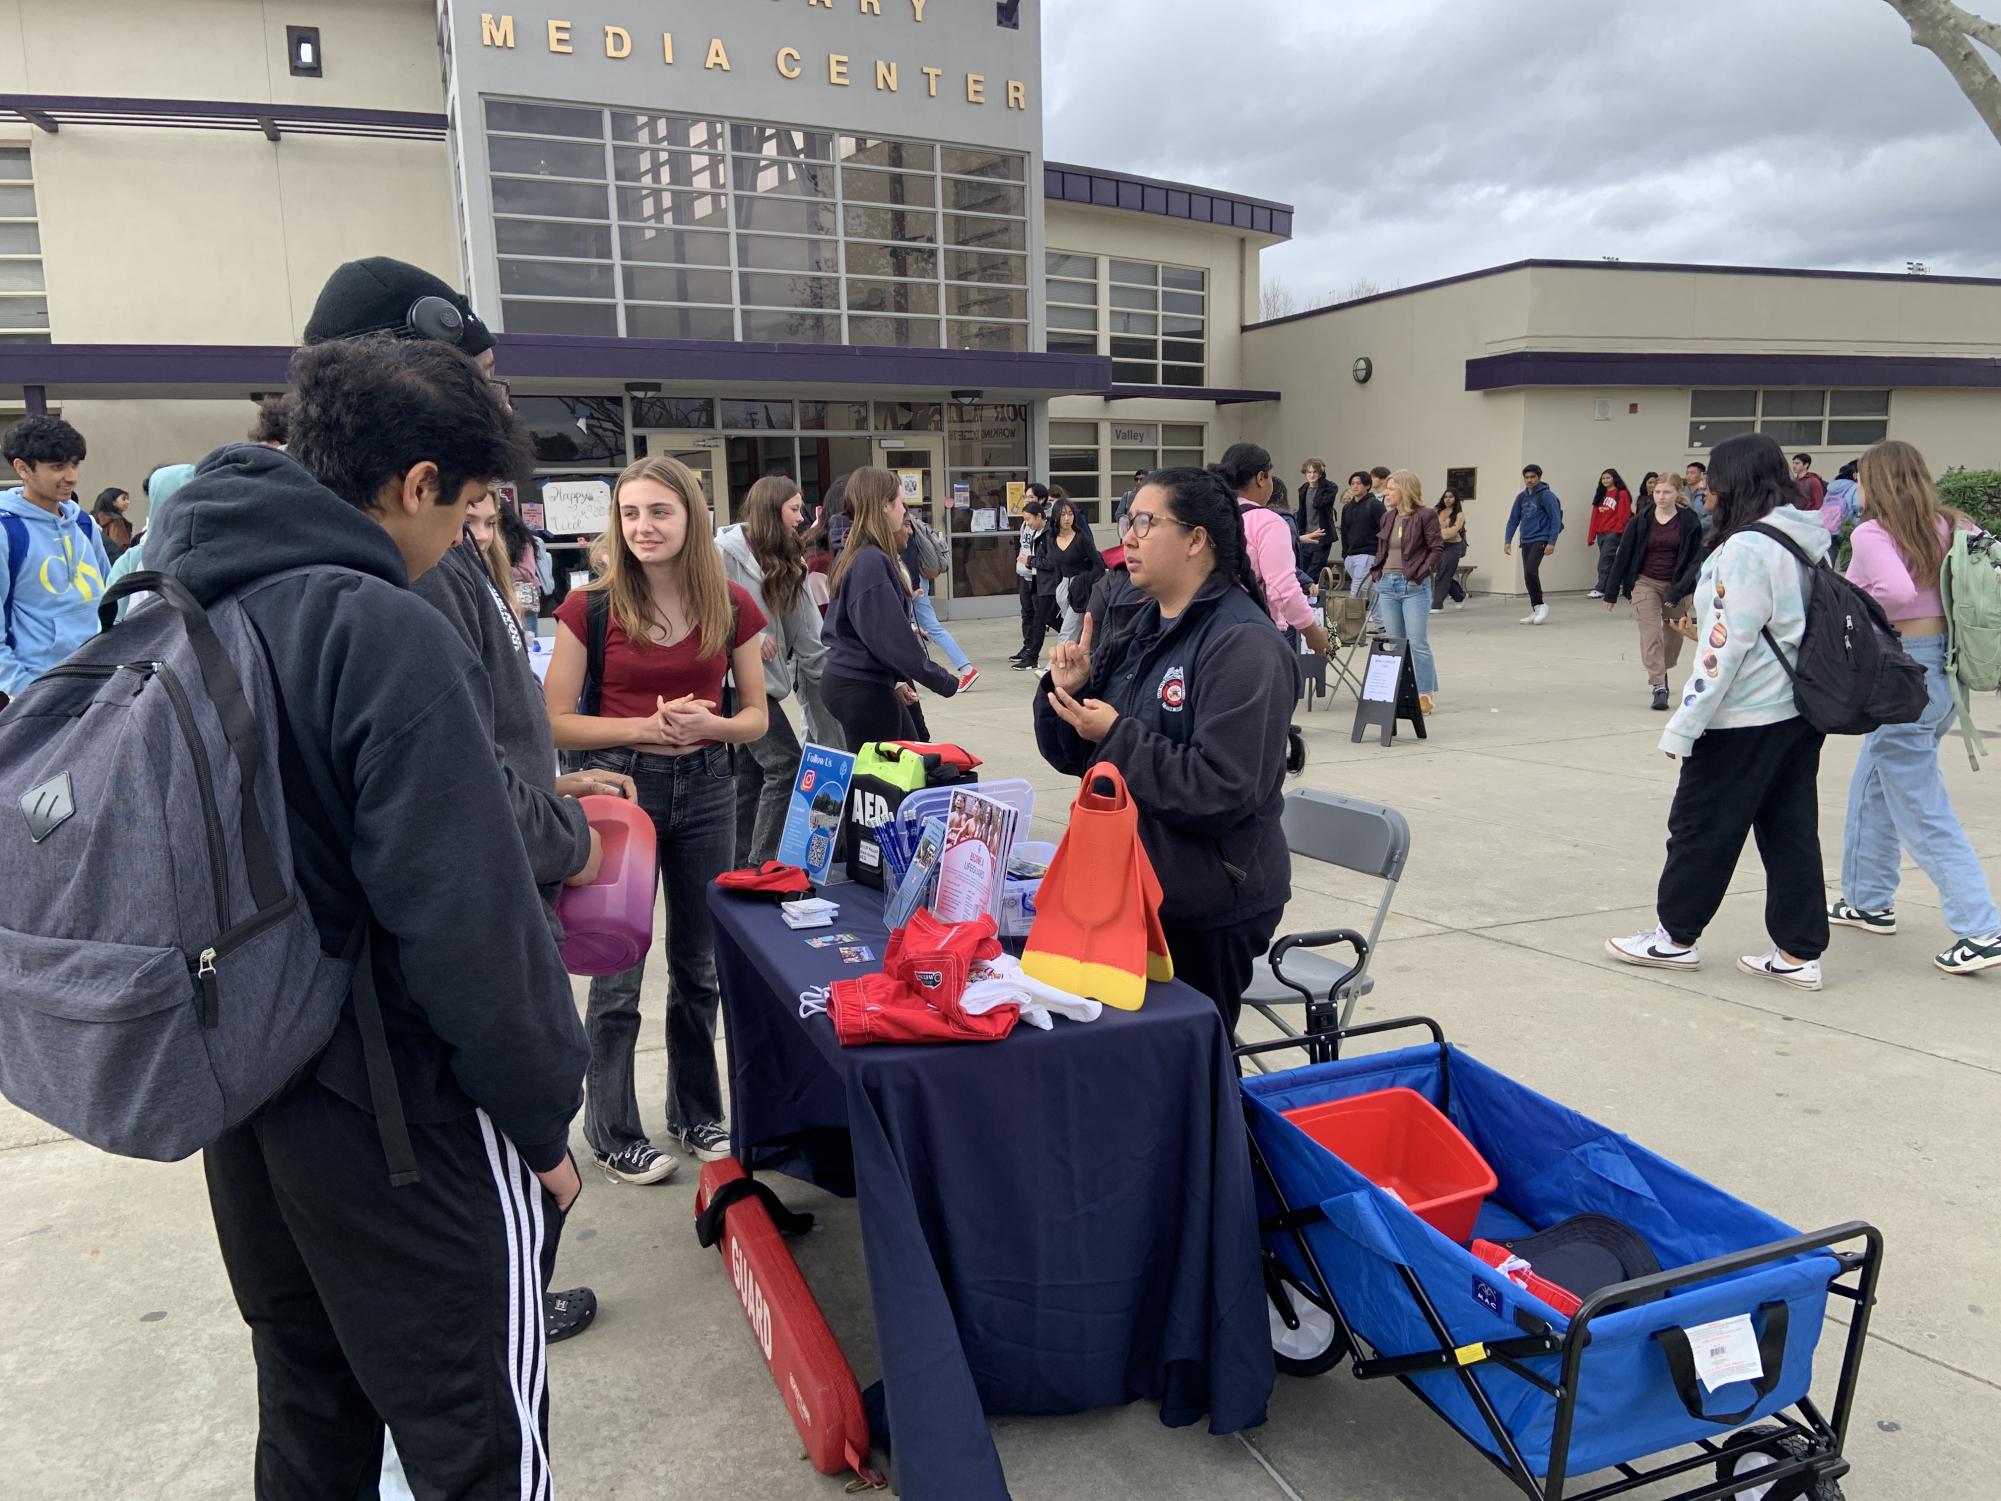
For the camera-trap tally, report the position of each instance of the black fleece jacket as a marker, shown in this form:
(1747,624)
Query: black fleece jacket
(554,829)
(393,798)
(1361,522)
(1632,554)
(1204,702)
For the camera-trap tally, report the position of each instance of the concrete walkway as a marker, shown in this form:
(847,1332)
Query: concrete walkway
(1538,813)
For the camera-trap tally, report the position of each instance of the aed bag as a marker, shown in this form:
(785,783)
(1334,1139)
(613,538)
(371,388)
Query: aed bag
(886,772)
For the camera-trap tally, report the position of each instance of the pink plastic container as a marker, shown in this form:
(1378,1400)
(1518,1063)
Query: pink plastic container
(608,925)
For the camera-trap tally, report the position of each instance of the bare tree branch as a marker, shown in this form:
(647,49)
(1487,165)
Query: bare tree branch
(1950,34)
(1276,300)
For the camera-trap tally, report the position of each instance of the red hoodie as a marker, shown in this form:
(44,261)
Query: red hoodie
(1610,523)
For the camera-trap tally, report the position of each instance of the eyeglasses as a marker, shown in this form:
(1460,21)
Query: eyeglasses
(1139,523)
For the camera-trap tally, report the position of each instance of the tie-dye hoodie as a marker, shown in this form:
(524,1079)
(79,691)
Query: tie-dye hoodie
(48,594)
(1747,585)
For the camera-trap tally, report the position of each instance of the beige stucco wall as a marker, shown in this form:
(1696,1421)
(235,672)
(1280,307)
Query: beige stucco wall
(129,439)
(1416,412)
(213,237)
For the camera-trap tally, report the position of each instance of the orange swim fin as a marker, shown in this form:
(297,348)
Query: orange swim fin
(1097,917)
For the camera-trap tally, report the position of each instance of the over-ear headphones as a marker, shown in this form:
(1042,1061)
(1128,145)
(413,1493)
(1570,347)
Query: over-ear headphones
(432,317)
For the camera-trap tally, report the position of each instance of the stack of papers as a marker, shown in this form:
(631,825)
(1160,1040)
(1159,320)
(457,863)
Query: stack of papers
(817,912)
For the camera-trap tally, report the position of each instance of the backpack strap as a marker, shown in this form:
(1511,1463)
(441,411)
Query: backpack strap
(384,1098)
(1807,565)
(16,532)
(232,705)
(597,624)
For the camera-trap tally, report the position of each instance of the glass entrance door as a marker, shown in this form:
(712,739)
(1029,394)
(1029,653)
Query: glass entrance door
(701,452)
(918,461)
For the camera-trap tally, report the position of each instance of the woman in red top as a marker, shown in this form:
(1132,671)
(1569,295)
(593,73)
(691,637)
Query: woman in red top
(1611,509)
(676,625)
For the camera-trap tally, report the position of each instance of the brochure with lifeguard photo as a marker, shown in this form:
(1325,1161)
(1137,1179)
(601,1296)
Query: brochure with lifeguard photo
(979,834)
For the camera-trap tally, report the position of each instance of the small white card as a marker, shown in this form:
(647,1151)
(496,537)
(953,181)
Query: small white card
(1725,1351)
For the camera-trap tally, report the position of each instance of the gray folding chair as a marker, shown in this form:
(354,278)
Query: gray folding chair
(1363,837)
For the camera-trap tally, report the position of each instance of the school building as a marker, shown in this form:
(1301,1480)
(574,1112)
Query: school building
(806,235)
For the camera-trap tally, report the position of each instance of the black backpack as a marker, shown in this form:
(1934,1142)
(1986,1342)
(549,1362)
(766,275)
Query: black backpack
(1853,675)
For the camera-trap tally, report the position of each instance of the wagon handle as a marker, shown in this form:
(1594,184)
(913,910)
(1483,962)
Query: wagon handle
(1771,1361)
(1250,1049)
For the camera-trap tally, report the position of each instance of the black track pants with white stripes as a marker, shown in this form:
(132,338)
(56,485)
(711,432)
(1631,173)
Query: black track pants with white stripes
(418,1306)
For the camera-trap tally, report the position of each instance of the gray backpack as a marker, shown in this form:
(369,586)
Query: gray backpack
(160,976)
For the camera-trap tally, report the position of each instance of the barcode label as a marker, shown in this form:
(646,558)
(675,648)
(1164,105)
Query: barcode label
(1725,1351)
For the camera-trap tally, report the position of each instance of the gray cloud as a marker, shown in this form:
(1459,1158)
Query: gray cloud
(1419,138)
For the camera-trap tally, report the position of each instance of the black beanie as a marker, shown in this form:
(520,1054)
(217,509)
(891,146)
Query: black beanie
(377,294)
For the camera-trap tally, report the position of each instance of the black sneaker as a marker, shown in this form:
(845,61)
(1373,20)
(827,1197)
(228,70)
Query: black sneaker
(1846,914)
(1019,664)
(1971,955)
(638,1163)
(1661,698)
(708,1142)
(568,1314)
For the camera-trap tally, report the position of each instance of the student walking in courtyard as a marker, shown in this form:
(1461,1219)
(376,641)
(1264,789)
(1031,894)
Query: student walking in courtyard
(1897,802)
(1452,540)
(1655,567)
(1749,762)
(1407,550)
(1359,524)
(1538,516)
(1068,566)
(1611,509)
(1247,469)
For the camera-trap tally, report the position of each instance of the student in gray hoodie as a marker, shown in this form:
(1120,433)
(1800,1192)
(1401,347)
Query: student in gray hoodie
(762,554)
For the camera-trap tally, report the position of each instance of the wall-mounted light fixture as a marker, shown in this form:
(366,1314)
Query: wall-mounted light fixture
(302,45)
(642,388)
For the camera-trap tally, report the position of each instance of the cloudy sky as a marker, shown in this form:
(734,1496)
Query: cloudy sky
(1419,138)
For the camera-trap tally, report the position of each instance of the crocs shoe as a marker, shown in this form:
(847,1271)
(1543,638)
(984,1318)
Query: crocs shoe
(565,1315)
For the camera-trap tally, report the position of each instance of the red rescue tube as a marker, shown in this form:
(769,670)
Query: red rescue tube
(806,1363)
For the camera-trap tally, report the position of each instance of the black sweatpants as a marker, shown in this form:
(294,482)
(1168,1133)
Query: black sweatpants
(419,1306)
(1218,961)
(1031,618)
(1532,555)
(1757,780)
(867,710)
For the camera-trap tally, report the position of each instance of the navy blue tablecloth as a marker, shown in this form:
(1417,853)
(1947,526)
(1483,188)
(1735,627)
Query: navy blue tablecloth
(1059,1221)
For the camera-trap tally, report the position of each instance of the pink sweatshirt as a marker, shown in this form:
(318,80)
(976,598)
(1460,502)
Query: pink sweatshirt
(1270,542)
(1878,567)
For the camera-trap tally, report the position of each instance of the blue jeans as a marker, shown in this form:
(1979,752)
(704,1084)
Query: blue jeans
(1406,617)
(1897,803)
(692,802)
(927,622)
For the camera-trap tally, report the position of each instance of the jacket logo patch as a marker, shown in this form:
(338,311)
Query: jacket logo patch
(48,807)
(1174,690)
(930,979)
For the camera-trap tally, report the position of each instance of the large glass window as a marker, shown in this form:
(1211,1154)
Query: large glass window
(1070,290)
(24,304)
(1159,324)
(666,226)
(986,451)
(1794,419)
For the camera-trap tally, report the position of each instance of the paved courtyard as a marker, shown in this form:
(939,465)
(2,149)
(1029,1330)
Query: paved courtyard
(1537,812)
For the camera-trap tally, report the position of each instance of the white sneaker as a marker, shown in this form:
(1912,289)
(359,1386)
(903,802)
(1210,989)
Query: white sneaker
(1594,594)
(1529,619)
(1655,950)
(1541,614)
(1773,967)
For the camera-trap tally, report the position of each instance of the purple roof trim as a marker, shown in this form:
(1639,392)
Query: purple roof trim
(1802,272)
(1219,395)
(217,114)
(556,357)
(1556,367)
(1064,183)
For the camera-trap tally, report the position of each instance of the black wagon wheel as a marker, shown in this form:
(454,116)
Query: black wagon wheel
(1774,1446)
(1306,1337)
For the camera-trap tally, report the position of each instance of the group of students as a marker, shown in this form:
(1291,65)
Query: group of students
(1749,760)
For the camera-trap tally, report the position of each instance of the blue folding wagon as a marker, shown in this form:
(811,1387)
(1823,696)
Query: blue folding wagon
(1352,1272)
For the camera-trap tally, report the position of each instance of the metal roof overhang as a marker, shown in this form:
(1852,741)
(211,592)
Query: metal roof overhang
(197,372)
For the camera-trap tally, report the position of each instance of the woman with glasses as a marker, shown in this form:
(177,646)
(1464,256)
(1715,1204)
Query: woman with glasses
(1188,690)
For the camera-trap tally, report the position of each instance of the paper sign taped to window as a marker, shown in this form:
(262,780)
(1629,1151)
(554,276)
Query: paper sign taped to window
(577,508)
(1381,683)
(1725,1351)
(911,482)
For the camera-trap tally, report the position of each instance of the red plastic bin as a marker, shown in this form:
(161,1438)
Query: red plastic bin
(1400,1141)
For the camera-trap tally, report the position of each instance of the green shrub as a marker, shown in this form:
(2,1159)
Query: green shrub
(1974,491)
